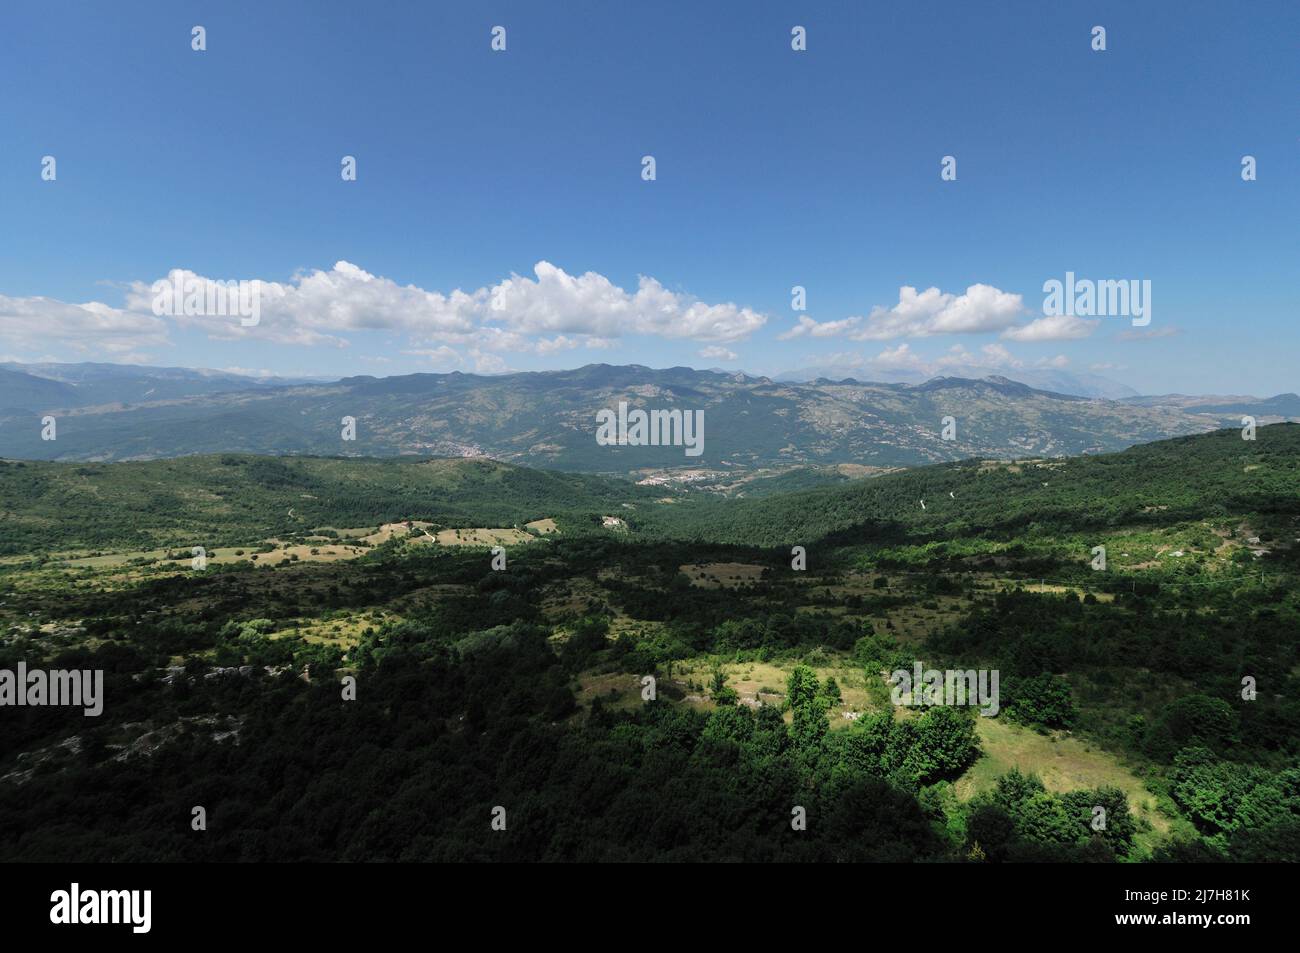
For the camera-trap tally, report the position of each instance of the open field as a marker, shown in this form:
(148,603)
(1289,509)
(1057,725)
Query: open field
(1062,763)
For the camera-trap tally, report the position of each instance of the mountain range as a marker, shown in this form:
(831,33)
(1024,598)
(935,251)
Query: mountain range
(548,418)
(1056,380)
(44,387)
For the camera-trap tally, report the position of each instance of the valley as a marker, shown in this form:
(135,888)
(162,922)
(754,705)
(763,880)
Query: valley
(1121,688)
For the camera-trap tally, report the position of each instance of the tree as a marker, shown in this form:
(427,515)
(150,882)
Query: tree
(945,745)
(719,690)
(733,724)
(771,738)
(1043,700)
(809,724)
(1193,720)
(832,691)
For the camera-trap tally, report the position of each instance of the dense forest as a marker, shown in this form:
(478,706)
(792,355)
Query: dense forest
(419,702)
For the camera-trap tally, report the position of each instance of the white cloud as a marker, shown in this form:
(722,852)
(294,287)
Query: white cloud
(489,363)
(557,302)
(556,344)
(807,327)
(982,308)
(39,323)
(1053,327)
(548,313)
(995,356)
(441,357)
(901,356)
(715,353)
(990,357)
(318,307)
(918,314)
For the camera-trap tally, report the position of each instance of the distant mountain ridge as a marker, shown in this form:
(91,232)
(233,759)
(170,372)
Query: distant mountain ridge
(548,418)
(1281,405)
(1055,380)
(45,387)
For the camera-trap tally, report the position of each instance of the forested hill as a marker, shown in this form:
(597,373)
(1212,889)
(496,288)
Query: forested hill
(239,497)
(1185,478)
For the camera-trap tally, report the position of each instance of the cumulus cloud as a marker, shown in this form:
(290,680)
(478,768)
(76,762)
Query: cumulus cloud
(38,323)
(1053,327)
(557,302)
(982,308)
(901,356)
(318,307)
(807,327)
(546,313)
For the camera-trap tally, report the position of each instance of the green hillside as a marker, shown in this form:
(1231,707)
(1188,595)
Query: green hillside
(238,498)
(1155,484)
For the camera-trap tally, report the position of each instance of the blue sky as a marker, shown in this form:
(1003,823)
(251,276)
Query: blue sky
(775,168)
